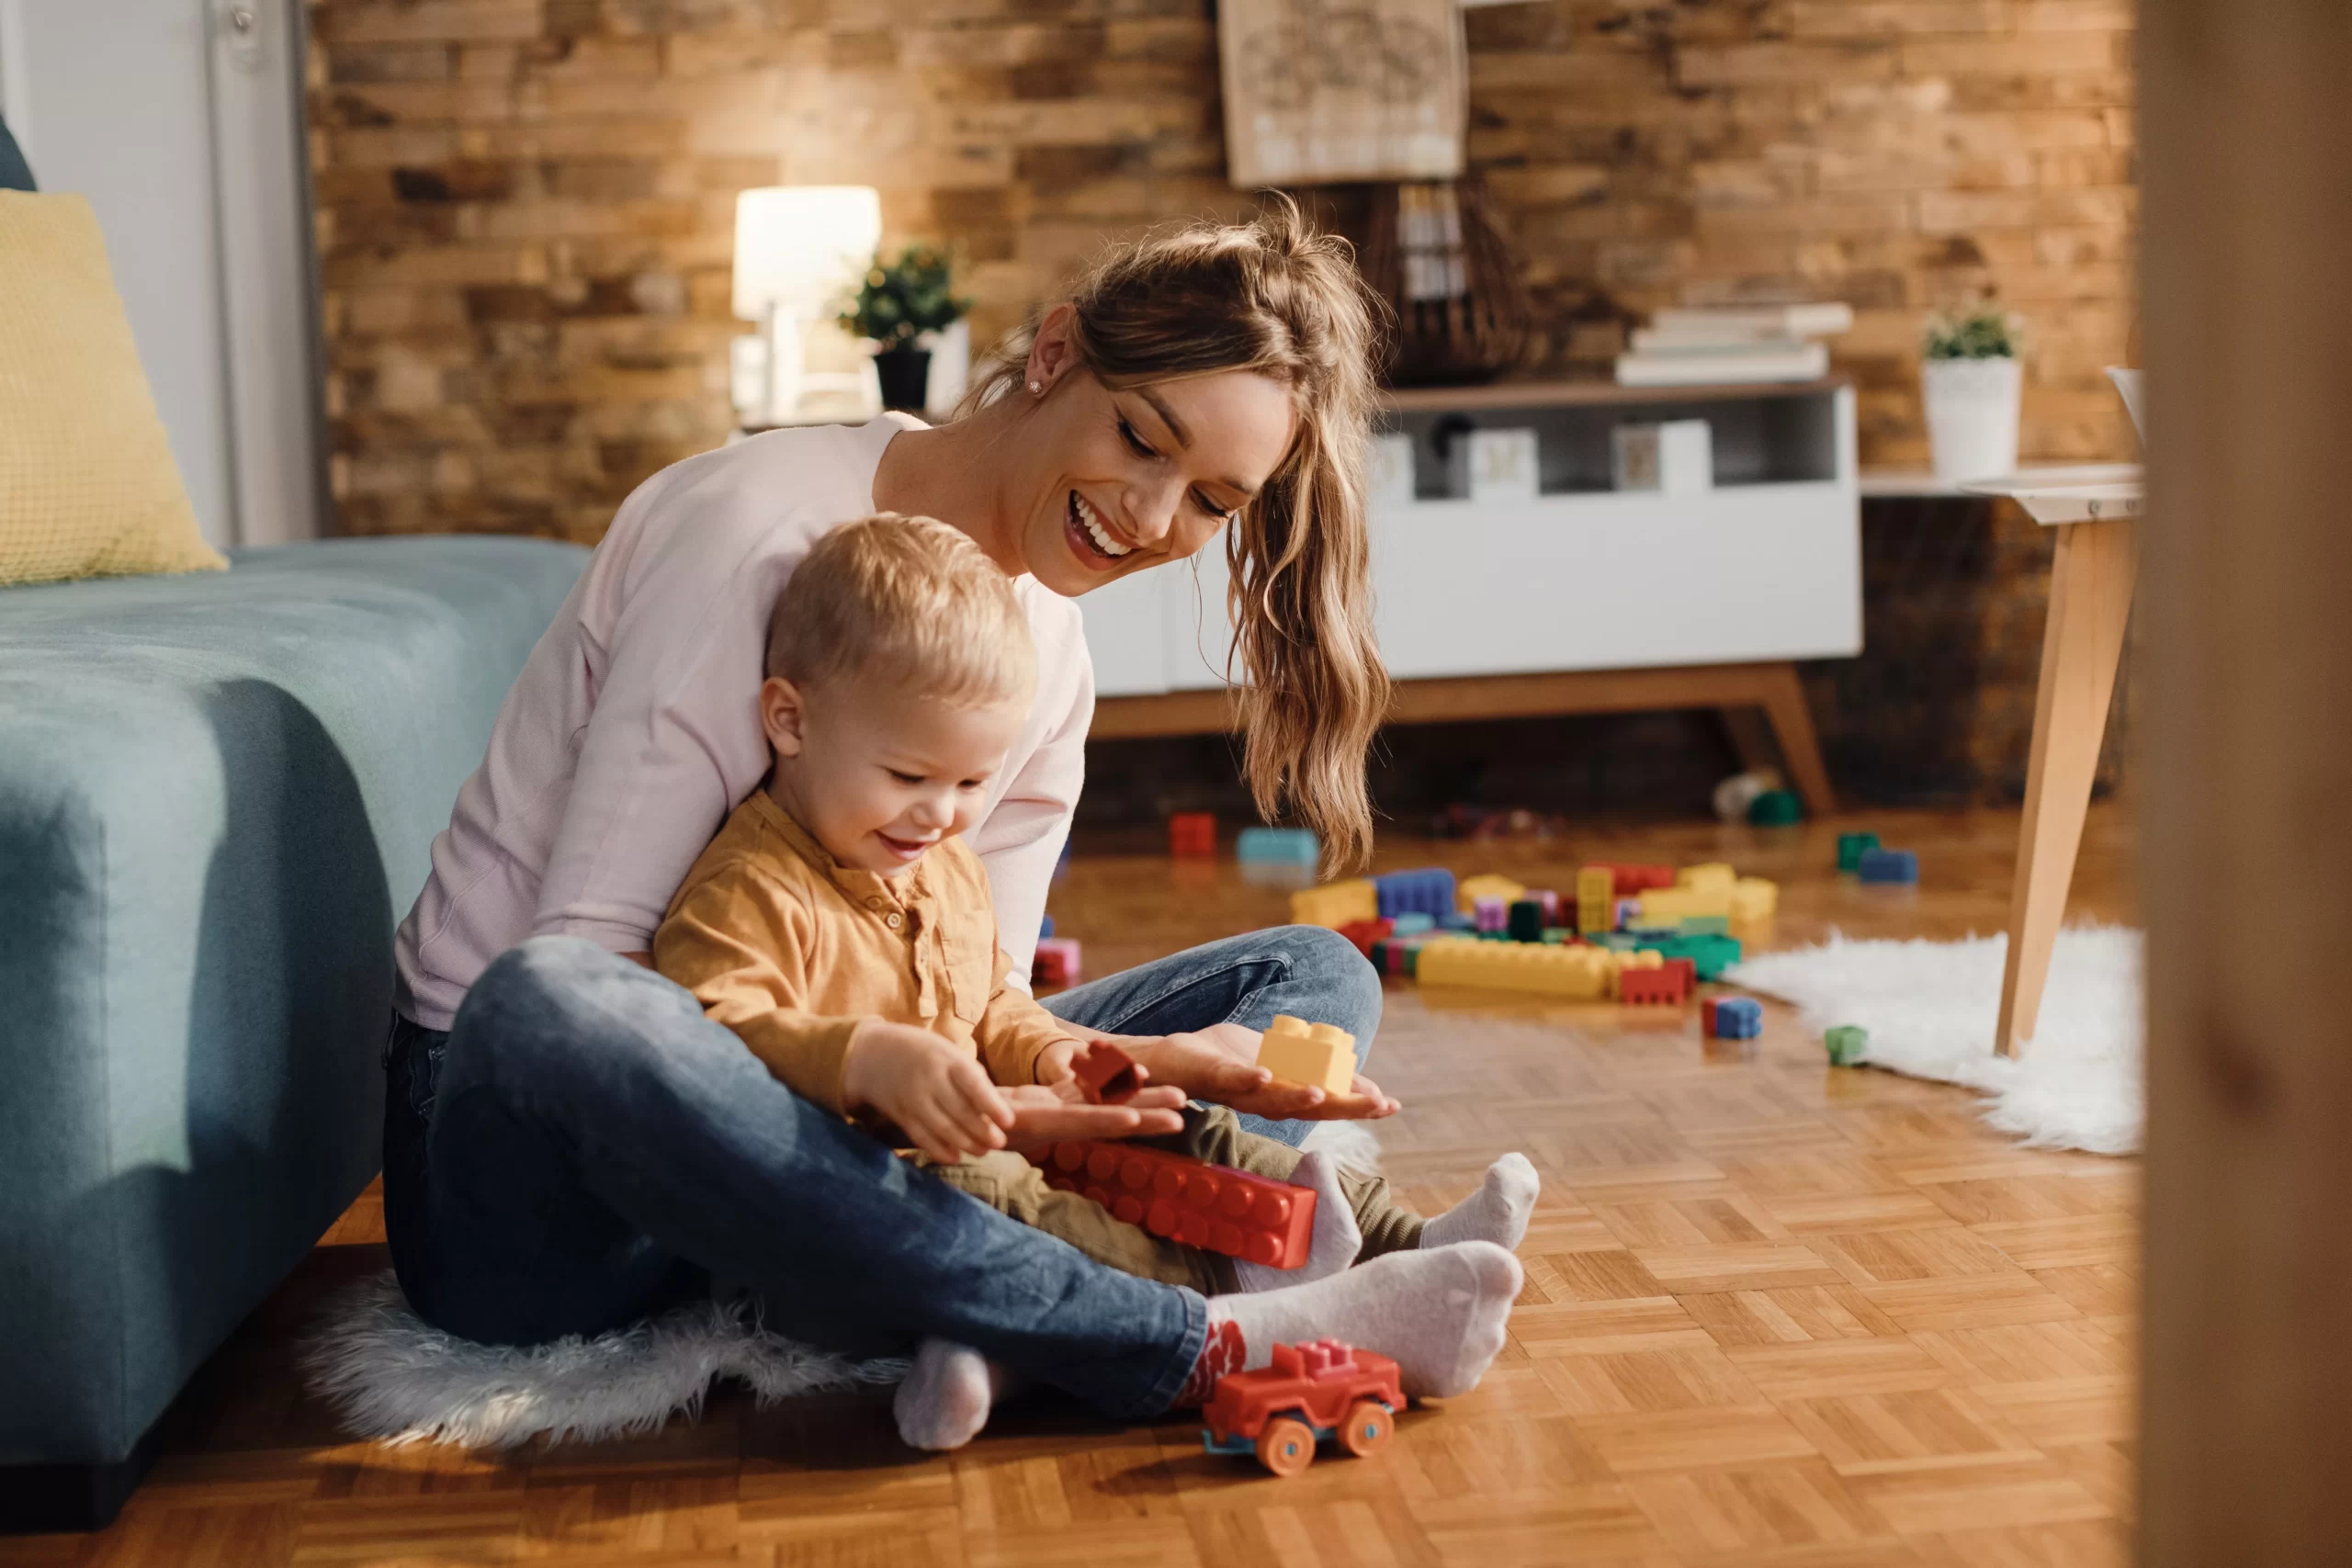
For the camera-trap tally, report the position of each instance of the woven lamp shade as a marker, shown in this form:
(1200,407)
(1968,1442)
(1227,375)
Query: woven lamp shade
(1435,253)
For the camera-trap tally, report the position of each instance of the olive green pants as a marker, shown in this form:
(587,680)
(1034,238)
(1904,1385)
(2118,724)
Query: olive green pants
(1009,1183)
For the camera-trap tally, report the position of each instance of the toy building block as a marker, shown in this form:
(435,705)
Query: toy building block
(1670,907)
(1634,879)
(1492,914)
(1277,846)
(1187,1201)
(1888,865)
(1710,955)
(1056,962)
(1709,877)
(1300,1052)
(1412,922)
(1624,963)
(1707,1006)
(1427,892)
(1192,835)
(1734,1018)
(1596,899)
(1775,808)
(1628,911)
(1635,986)
(1686,973)
(1470,889)
(1849,851)
(1364,933)
(1561,971)
(1455,920)
(1703,925)
(1849,1044)
(1108,1075)
(1394,956)
(1753,898)
(1558,934)
(1335,904)
(1549,902)
(1524,921)
(1316,1392)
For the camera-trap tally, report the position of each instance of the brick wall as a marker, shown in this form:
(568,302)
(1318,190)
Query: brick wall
(526,205)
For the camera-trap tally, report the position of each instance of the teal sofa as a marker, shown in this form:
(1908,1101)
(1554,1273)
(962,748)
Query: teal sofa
(217,795)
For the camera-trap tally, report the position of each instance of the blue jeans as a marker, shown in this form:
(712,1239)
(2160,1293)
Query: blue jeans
(584,1147)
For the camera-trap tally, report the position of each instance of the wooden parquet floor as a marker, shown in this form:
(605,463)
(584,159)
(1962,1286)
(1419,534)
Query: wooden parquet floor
(1776,1313)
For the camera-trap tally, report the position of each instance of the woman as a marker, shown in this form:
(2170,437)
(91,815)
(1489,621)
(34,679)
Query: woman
(570,1145)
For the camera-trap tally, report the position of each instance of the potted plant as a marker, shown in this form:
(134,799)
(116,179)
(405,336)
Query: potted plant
(898,303)
(1970,378)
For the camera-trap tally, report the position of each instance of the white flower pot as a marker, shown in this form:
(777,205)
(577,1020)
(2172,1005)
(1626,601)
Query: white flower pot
(1971,416)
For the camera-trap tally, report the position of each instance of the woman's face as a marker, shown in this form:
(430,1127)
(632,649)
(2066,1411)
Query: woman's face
(1115,482)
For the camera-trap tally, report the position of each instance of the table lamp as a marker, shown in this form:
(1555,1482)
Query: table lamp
(798,250)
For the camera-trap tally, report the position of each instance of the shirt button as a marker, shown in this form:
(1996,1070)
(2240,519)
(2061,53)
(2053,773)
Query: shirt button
(893,921)
(874,903)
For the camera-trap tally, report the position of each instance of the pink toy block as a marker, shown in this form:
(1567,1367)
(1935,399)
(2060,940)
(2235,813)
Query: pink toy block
(1056,962)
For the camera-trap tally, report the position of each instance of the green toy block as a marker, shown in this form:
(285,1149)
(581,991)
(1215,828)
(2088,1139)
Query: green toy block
(1849,1043)
(1710,955)
(1775,808)
(1558,934)
(1849,851)
(1706,925)
(1616,942)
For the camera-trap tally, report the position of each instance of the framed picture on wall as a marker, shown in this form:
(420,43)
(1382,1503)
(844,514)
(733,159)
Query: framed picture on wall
(1319,91)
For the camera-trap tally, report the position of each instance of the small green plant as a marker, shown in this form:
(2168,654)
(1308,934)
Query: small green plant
(898,301)
(1978,330)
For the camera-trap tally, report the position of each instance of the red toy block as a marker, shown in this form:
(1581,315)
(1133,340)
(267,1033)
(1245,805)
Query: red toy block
(1308,1392)
(1639,985)
(1364,933)
(1108,1075)
(1688,968)
(1192,835)
(1634,879)
(1057,961)
(1188,1201)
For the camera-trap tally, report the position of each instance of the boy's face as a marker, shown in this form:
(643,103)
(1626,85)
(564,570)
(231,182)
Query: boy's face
(879,774)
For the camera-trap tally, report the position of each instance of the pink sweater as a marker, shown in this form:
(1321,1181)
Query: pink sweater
(633,728)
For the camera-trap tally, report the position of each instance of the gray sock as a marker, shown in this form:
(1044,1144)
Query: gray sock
(1496,1211)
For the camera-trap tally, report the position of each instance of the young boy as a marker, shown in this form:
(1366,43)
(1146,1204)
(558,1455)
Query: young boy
(838,924)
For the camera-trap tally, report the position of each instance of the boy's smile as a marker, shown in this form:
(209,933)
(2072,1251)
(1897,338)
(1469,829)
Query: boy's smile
(879,774)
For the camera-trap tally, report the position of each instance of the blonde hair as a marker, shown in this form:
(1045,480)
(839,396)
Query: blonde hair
(910,600)
(1279,298)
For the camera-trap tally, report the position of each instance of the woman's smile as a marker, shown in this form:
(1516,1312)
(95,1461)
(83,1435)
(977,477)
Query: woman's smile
(1090,538)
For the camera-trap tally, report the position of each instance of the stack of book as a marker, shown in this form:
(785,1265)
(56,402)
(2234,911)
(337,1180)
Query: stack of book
(1699,348)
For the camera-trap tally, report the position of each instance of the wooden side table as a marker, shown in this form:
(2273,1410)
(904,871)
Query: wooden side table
(2094,509)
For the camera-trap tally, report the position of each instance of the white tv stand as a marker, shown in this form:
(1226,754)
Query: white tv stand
(1582,599)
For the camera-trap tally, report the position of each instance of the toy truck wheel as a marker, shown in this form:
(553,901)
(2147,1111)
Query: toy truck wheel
(1286,1446)
(1367,1428)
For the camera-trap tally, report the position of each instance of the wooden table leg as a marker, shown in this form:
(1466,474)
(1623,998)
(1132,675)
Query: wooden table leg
(2090,600)
(1800,747)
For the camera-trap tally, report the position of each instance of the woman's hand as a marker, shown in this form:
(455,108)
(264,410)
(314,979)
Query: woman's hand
(940,1098)
(1219,1063)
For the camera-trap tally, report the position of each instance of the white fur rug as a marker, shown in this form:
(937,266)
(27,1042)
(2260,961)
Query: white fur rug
(1932,1006)
(395,1377)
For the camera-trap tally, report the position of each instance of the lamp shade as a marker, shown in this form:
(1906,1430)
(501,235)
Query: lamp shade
(798,247)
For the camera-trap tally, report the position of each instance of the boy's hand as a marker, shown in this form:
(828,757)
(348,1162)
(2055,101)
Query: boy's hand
(940,1098)
(1220,1063)
(1064,1058)
(1047,1113)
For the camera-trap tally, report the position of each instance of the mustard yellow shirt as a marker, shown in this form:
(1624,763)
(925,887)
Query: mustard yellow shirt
(792,951)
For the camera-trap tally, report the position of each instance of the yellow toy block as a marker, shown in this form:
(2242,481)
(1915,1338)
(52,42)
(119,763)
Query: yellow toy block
(1668,905)
(1596,899)
(1553,969)
(1300,1052)
(1753,898)
(1470,889)
(1709,877)
(1335,904)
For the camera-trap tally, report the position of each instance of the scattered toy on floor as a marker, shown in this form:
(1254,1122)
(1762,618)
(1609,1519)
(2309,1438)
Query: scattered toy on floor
(1737,793)
(1732,1017)
(1277,846)
(1364,933)
(1849,1044)
(1192,835)
(1850,847)
(1188,1201)
(1775,808)
(1056,962)
(1335,904)
(1888,866)
(1300,1052)
(1426,892)
(1323,1390)
(1524,920)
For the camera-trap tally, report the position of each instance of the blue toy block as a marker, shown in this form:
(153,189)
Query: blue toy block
(1046,930)
(1277,846)
(1455,920)
(1426,892)
(1412,922)
(1738,1018)
(1888,865)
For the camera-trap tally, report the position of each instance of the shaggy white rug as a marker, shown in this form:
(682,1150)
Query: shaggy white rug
(393,1377)
(1931,1007)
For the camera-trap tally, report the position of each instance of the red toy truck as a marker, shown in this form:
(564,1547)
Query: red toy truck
(1317,1390)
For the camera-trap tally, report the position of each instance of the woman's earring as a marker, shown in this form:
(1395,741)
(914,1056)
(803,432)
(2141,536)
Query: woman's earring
(1036,389)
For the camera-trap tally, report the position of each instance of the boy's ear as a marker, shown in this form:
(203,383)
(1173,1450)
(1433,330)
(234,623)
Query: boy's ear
(782,714)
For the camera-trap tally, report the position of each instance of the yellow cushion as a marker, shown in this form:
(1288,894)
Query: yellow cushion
(87,484)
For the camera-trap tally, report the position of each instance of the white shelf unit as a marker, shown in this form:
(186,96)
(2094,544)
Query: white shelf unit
(1767,566)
